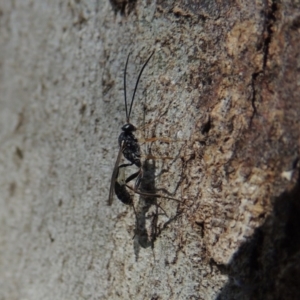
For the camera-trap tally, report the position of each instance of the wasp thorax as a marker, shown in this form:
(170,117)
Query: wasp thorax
(128,128)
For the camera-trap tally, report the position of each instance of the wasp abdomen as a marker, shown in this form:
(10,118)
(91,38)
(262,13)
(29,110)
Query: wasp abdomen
(122,193)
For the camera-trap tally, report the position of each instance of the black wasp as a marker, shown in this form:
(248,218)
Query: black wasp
(130,148)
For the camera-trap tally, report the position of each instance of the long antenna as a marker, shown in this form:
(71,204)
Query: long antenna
(136,85)
(125,70)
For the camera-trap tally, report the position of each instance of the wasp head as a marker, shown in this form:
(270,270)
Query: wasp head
(128,128)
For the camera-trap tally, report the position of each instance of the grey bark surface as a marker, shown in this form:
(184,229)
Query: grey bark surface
(221,91)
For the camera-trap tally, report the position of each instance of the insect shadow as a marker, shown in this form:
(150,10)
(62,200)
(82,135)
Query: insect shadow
(149,209)
(129,148)
(123,6)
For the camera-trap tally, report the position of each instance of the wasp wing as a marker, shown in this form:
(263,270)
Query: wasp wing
(114,177)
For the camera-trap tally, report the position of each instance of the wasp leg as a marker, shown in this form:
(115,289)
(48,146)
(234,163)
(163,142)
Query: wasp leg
(152,195)
(138,175)
(124,165)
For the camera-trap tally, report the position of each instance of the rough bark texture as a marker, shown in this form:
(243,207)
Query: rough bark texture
(223,87)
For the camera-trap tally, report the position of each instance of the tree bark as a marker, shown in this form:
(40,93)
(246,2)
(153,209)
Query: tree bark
(220,101)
